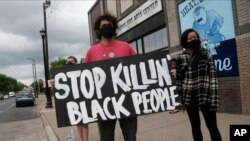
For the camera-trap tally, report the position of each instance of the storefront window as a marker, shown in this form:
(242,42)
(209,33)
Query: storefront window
(146,44)
(151,42)
(133,44)
(156,40)
(164,37)
(139,47)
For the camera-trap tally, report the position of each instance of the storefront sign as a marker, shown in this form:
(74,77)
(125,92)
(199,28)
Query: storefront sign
(215,26)
(142,13)
(114,89)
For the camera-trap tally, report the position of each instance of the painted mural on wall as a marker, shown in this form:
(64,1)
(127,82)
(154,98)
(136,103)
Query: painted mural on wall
(215,27)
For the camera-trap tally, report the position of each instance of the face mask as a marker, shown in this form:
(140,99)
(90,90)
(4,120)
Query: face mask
(194,44)
(107,31)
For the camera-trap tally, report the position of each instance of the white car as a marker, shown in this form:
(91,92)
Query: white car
(6,96)
(11,94)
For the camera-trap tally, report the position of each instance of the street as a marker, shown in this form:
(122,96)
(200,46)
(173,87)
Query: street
(19,123)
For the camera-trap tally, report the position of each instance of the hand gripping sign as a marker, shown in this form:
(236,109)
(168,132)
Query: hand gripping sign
(113,89)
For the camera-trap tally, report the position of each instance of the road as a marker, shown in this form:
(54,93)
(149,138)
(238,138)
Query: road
(19,123)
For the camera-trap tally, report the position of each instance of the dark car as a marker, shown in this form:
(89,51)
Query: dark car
(25,98)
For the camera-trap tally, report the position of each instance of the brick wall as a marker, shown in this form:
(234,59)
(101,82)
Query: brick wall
(243,51)
(230,96)
(111,7)
(243,47)
(173,25)
(243,12)
(125,4)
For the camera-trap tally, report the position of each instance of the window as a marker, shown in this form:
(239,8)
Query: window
(156,40)
(151,42)
(133,44)
(139,46)
(146,44)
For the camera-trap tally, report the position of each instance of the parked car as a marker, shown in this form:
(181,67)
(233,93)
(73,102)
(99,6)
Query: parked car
(6,96)
(25,98)
(11,94)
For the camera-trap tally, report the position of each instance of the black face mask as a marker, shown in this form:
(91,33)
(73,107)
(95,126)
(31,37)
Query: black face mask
(194,44)
(107,31)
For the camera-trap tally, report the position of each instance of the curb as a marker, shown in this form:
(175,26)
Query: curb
(50,134)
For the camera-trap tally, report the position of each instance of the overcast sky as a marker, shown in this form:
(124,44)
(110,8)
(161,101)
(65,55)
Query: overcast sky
(20,23)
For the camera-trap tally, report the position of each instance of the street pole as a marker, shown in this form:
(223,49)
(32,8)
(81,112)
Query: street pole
(34,76)
(46,56)
(37,86)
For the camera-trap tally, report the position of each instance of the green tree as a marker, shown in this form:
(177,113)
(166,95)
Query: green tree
(9,84)
(60,62)
(3,83)
(18,86)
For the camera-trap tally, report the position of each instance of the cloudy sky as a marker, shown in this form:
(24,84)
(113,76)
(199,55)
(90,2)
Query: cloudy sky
(20,23)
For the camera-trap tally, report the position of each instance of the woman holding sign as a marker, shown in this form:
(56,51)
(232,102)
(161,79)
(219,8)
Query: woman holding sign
(197,85)
(108,48)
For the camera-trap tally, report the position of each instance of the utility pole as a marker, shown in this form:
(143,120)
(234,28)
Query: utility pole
(34,76)
(44,35)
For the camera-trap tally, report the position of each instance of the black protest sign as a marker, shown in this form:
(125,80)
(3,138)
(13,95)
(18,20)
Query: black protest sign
(113,89)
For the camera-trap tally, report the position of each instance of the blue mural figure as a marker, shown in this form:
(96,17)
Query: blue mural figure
(208,23)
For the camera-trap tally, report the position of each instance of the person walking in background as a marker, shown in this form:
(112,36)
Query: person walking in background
(83,130)
(108,48)
(197,85)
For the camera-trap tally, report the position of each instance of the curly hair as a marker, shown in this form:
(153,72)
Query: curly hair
(107,17)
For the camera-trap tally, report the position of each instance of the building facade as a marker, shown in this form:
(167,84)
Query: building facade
(150,25)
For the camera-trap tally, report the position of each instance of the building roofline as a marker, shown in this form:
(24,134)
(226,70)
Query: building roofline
(96,2)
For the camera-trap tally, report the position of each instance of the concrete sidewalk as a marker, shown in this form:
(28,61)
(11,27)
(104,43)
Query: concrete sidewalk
(154,127)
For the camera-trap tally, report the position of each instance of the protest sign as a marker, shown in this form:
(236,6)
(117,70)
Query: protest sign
(113,89)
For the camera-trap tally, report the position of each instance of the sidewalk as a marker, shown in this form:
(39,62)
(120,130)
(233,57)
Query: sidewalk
(155,127)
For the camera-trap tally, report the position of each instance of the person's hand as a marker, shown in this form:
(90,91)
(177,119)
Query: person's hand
(173,73)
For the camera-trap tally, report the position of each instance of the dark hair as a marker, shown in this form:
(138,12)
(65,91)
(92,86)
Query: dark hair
(197,54)
(107,17)
(184,36)
(72,57)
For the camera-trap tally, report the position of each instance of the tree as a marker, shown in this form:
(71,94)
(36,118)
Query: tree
(18,86)
(60,62)
(9,84)
(3,83)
